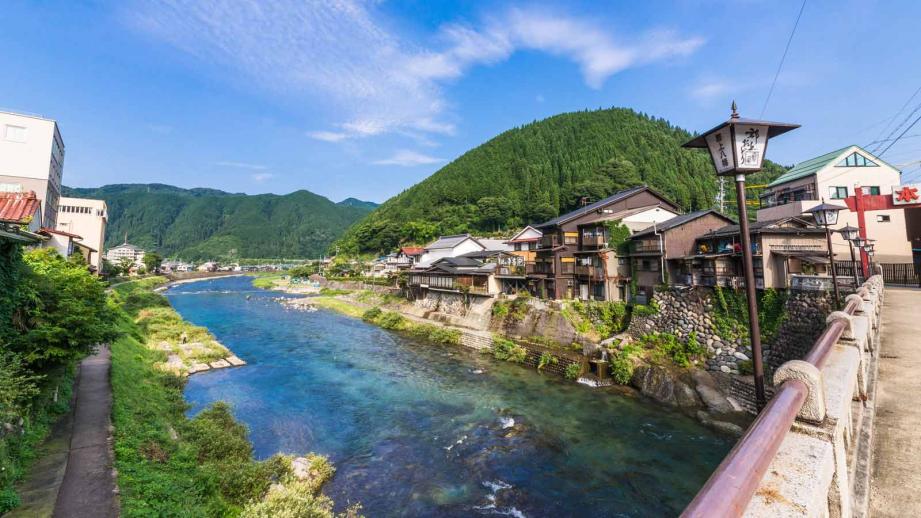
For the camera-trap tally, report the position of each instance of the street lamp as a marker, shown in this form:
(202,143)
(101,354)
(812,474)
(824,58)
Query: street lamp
(850,234)
(737,148)
(826,215)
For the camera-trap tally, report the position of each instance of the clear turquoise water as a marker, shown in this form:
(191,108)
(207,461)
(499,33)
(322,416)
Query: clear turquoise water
(421,430)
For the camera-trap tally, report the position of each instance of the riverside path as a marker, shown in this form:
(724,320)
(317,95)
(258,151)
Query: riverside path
(896,479)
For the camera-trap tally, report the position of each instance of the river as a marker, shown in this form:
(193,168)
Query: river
(416,429)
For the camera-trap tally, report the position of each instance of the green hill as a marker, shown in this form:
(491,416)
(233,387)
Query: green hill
(537,171)
(197,224)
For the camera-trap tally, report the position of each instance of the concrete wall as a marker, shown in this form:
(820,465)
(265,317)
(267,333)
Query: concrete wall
(38,157)
(90,226)
(822,466)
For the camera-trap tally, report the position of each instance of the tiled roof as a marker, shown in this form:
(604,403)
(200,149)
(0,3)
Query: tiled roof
(412,250)
(808,167)
(620,195)
(679,220)
(448,241)
(18,207)
(495,244)
(769,227)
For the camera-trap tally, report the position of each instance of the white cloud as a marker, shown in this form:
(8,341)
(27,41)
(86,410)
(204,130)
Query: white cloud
(242,165)
(346,55)
(327,136)
(711,89)
(261,177)
(407,158)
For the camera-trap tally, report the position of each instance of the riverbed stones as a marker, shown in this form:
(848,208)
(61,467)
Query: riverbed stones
(235,361)
(174,362)
(219,364)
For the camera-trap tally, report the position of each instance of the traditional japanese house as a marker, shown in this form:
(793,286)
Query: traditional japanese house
(658,253)
(524,243)
(448,246)
(575,256)
(454,274)
(509,273)
(781,248)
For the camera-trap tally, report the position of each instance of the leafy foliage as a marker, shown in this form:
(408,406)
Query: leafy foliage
(535,172)
(669,346)
(604,317)
(546,359)
(730,316)
(623,363)
(573,370)
(198,224)
(507,350)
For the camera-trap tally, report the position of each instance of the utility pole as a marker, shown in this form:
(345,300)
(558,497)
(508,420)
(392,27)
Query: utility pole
(722,196)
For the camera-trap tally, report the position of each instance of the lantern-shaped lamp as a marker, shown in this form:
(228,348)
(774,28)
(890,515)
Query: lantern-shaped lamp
(859,242)
(849,233)
(825,215)
(737,146)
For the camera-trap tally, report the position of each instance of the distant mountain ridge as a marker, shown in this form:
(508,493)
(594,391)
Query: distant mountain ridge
(537,171)
(204,223)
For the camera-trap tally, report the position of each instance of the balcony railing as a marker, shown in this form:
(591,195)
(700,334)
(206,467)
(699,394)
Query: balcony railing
(549,241)
(594,241)
(590,271)
(642,248)
(511,270)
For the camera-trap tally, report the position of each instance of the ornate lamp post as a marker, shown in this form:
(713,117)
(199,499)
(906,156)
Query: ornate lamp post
(737,148)
(850,234)
(826,215)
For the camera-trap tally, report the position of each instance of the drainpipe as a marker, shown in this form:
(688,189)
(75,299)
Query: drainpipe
(655,231)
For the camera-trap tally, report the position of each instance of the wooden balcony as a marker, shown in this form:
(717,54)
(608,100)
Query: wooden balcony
(595,272)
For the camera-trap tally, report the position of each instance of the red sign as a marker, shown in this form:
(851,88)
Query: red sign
(905,194)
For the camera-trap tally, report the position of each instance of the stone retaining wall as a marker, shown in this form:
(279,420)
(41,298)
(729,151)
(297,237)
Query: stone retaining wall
(804,322)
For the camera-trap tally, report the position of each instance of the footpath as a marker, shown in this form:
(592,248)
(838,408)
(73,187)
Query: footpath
(74,476)
(896,478)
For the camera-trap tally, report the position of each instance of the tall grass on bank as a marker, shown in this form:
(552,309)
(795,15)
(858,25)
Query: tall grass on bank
(169,465)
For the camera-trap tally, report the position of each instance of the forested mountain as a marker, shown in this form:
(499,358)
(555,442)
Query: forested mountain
(197,224)
(535,172)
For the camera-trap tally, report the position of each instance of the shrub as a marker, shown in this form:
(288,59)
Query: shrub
(622,364)
(668,346)
(508,350)
(391,320)
(371,314)
(573,371)
(546,359)
(645,310)
(218,437)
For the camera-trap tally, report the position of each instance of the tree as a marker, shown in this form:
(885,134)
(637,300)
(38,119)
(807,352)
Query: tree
(493,211)
(125,265)
(66,311)
(152,262)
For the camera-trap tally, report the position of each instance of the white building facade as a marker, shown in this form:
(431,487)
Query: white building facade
(88,219)
(32,159)
(834,177)
(125,251)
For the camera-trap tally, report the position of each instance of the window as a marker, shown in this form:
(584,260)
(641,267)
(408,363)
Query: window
(882,218)
(872,189)
(837,193)
(855,159)
(15,133)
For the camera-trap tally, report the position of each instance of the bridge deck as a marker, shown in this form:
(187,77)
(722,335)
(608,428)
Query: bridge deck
(896,479)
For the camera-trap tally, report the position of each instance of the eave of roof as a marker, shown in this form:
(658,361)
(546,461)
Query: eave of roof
(620,195)
(809,167)
(680,220)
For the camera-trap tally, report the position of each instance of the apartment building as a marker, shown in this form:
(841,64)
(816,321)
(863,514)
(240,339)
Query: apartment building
(834,177)
(88,219)
(32,159)
(125,251)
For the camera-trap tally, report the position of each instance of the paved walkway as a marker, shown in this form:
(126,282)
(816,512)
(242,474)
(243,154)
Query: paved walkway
(896,480)
(88,488)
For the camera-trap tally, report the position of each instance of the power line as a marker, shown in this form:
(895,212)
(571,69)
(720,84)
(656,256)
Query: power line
(896,114)
(895,129)
(912,125)
(782,59)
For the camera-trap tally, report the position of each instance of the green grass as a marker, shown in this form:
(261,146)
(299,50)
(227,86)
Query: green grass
(268,281)
(19,450)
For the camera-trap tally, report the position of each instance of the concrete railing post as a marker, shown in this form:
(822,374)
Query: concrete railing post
(813,409)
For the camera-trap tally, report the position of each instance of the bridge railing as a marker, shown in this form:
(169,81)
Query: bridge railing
(804,439)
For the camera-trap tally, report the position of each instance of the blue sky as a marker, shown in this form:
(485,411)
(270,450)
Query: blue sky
(364,99)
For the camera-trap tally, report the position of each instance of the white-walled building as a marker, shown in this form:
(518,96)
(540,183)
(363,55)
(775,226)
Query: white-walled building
(834,176)
(88,219)
(125,251)
(449,246)
(32,159)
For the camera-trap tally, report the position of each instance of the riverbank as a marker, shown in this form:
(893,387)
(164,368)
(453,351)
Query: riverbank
(169,464)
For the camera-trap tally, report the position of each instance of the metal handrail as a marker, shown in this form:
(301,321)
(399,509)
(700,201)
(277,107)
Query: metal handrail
(730,488)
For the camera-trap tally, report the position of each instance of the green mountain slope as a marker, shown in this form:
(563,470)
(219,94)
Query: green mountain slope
(535,172)
(197,224)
